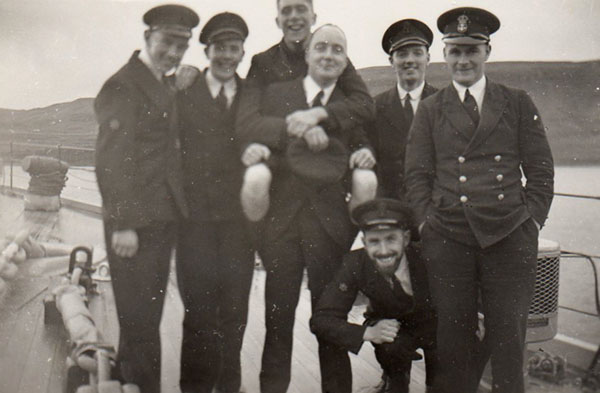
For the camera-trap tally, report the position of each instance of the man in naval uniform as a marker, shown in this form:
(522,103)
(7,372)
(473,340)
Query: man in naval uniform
(407,43)
(307,224)
(469,145)
(390,273)
(215,260)
(138,167)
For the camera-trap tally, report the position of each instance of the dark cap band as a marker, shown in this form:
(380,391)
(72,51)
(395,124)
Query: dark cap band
(467,26)
(224,26)
(382,213)
(172,19)
(406,32)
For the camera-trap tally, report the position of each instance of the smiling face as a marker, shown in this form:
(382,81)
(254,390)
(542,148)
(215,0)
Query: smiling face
(385,247)
(295,18)
(466,62)
(165,50)
(326,55)
(410,63)
(224,57)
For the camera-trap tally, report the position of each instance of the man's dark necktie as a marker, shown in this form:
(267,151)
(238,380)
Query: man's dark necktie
(318,100)
(221,99)
(471,107)
(408,109)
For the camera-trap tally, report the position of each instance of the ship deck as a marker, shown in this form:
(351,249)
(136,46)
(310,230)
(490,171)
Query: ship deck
(32,354)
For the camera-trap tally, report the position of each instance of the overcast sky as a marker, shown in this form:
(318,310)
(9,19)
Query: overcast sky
(59,50)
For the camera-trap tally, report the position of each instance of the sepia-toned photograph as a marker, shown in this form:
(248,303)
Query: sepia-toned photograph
(303,196)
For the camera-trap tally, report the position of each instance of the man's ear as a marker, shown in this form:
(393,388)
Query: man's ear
(147,34)
(277,22)
(488,50)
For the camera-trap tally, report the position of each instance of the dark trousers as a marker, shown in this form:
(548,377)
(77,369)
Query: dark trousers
(215,263)
(397,368)
(139,284)
(304,244)
(504,273)
(417,330)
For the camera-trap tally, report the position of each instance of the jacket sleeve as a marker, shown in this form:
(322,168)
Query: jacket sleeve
(536,160)
(250,125)
(419,170)
(356,109)
(116,112)
(329,320)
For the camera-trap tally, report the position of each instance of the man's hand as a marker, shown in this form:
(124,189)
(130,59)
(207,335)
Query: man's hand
(300,121)
(363,159)
(255,153)
(185,76)
(316,138)
(125,243)
(384,331)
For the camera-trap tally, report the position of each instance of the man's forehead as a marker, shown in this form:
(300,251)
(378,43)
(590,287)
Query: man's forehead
(330,35)
(293,3)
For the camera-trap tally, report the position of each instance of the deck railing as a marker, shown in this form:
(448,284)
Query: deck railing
(81,181)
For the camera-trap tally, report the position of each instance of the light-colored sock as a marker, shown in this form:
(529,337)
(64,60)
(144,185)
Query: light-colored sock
(255,191)
(364,187)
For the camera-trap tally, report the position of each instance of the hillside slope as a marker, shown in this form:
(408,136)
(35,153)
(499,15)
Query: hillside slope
(567,95)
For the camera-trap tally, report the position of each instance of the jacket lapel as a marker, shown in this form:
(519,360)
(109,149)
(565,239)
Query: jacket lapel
(455,112)
(427,91)
(393,109)
(156,91)
(493,105)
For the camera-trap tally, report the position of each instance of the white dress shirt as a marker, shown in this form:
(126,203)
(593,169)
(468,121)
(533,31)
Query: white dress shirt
(312,89)
(415,95)
(214,86)
(403,275)
(477,90)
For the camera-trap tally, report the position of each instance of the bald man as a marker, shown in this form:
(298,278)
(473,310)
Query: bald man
(306,226)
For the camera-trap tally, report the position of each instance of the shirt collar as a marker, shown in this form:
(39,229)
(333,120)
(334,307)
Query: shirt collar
(311,89)
(477,90)
(415,94)
(402,273)
(145,58)
(214,86)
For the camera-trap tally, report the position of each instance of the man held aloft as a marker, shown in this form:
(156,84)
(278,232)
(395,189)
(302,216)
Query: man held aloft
(307,225)
(285,61)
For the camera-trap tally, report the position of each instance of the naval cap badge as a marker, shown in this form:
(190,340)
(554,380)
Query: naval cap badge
(463,24)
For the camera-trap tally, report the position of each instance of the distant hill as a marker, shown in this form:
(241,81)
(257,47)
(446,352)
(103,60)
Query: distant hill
(70,123)
(567,95)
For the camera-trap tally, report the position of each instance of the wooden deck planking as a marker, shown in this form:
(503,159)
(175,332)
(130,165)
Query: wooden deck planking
(45,347)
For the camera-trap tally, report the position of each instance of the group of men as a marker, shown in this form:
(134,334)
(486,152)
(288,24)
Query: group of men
(452,233)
